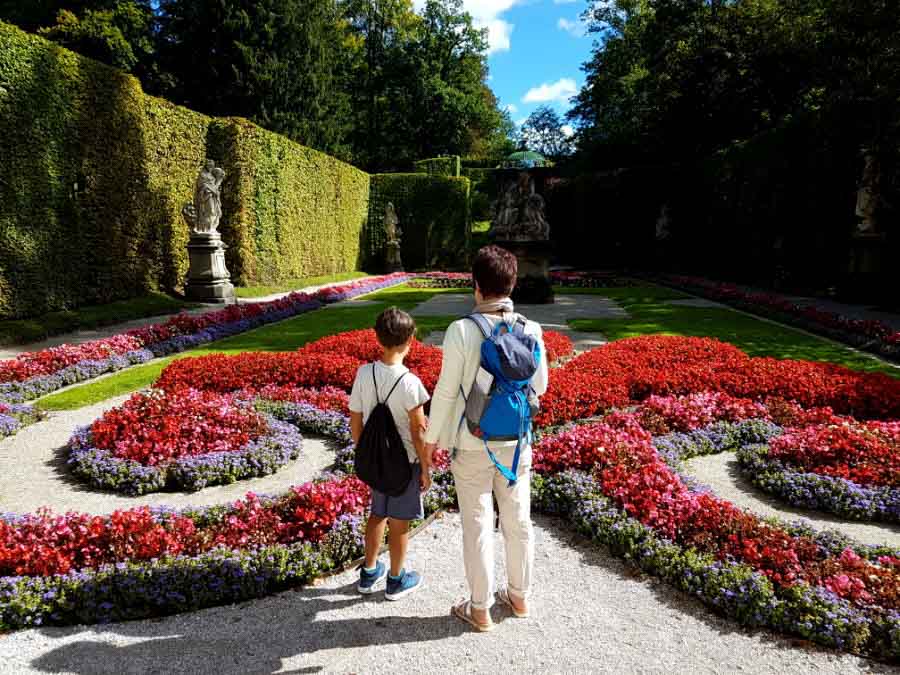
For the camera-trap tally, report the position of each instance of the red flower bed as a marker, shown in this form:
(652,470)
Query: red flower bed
(865,453)
(558,346)
(44,543)
(629,371)
(49,361)
(326,398)
(631,472)
(158,427)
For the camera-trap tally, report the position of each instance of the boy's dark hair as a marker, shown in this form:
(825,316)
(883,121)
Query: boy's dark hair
(394,328)
(495,270)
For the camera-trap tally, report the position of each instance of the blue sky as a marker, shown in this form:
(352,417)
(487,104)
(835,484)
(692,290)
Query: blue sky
(536,51)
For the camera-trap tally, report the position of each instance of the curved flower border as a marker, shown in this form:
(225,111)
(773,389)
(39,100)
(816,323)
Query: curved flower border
(808,490)
(180,583)
(260,457)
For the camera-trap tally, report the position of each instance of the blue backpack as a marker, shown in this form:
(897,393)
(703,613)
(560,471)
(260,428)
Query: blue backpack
(501,402)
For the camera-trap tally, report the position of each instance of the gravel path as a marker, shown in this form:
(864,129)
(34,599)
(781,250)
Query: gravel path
(613,622)
(33,472)
(722,473)
(553,317)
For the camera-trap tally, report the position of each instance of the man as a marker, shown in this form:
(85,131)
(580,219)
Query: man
(475,472)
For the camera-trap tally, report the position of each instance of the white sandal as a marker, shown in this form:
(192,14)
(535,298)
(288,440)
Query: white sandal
(463,611)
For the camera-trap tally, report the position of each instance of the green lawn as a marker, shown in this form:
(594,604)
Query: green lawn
(647,305)
(279,337)
(23,331)
(651,314)
(295,284)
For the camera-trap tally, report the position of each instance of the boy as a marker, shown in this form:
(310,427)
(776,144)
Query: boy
(395,330)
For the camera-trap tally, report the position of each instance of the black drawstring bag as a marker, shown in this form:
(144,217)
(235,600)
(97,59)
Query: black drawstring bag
(381,461)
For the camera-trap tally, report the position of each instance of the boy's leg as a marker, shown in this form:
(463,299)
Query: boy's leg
(398,543)
(515,522)
(473,473)
(374,539)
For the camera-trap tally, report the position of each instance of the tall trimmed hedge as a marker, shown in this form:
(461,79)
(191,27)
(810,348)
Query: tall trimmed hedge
(94,174)
(92,178)
(434,216)
(290,211)
(440,166)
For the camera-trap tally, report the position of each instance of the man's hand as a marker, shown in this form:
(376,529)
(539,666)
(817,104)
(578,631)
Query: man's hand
(425,478)
(430,449)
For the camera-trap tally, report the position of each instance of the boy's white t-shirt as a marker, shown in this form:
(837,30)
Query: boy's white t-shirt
(409,394)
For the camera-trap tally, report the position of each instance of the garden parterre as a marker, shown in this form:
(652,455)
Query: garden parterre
(613,476)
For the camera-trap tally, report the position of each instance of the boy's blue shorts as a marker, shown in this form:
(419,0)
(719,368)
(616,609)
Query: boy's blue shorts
(407,506)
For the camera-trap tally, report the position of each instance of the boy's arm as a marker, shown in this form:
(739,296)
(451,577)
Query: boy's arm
(356,425)
(418,424)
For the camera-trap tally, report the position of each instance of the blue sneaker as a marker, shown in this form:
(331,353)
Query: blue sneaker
(370,581)
(400,587)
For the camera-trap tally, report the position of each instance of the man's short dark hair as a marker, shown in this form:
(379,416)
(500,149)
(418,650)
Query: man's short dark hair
(394,328)
(495,270)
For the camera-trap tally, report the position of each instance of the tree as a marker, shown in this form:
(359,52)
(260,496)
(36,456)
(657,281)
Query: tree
(120,36)
(272,61)
(543,132)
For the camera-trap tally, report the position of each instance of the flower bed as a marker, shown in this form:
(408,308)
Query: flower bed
(875,336)
(75,568)
(615,478)
(15,416)
(35,374)
(628,371)
(186,440)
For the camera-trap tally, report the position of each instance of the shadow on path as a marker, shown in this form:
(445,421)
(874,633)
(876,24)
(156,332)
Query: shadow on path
(258,643)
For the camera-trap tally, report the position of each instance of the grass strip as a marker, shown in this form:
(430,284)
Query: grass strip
(297,284)
(284,336)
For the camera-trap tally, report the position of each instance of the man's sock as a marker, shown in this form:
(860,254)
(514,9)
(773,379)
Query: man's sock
(398,577)
(370,570)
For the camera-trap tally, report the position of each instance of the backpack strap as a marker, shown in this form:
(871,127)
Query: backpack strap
(395,386)
(519,327)
(375,384)
(483,324)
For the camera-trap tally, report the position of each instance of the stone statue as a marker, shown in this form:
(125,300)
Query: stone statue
(519,213)
(204,214)
(391,230)
(868,197)
(392,233)
(662,224)
(208,279)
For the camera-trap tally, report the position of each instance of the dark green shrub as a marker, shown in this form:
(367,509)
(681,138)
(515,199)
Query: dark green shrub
(434,216)
(439,166)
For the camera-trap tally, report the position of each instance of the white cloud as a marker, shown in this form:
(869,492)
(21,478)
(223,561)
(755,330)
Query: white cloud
(511,108)
(486,14)
(567,130)
(575,28)
(560,92)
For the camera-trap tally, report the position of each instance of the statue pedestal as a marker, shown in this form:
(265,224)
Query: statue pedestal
(393,262)
(208,279)
(868,262)
(533,286)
